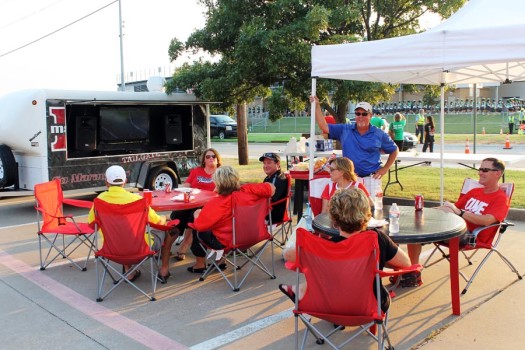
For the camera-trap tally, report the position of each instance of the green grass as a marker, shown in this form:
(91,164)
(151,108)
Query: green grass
(449,138)
(454,124)
(424,180)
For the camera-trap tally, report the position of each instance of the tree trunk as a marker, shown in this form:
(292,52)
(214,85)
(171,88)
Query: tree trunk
(242,134)
(341,112)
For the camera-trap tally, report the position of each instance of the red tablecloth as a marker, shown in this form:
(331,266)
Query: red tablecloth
(161,201)
(303,175)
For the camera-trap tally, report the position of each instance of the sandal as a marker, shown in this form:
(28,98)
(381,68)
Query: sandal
(288,291)
(163,279)
(222,264)
(196,270)
(179,256)
(135,277)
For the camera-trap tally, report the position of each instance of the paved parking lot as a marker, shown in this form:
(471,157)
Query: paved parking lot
(56,308)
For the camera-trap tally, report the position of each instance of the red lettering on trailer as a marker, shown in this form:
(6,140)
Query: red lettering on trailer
(87,177)
(58,128)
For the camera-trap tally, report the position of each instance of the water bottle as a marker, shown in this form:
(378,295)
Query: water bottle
(378,199)
(393,217)
(308,217)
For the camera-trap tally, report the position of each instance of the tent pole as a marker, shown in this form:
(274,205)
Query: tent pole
(474,108)
(442,143)
(311,144)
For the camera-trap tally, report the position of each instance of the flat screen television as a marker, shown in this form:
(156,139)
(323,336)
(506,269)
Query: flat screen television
(124,124)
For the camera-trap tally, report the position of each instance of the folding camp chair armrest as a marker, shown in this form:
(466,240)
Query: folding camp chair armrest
(69,216)
(282,200)
(80,203)
(388,273)
(503,224)
(169,225)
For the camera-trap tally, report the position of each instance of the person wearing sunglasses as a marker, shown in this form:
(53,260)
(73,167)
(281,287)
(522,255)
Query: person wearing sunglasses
(362,143)
(201,178)
(343,176)
(479,207)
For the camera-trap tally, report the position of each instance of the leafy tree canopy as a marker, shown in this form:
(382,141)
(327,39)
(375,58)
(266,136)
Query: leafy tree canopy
(263,43)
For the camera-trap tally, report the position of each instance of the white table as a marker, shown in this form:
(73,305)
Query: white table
(457,158)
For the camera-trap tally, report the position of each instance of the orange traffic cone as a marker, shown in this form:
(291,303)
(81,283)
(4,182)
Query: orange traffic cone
(467,148)
(507,143)
(483,131)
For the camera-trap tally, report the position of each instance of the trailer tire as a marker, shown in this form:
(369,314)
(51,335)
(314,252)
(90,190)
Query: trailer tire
(159,176)
(7,167)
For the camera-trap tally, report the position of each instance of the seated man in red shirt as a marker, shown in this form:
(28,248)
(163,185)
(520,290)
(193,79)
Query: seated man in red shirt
(479,207)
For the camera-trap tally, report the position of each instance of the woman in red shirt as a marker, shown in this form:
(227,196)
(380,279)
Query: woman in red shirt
(201,178)
(214,220)
(343,176)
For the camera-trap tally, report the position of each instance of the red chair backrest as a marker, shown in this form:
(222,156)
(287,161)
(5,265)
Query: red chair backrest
(340,276)
(123,227)
(317,187)
(249,219)
(49,197)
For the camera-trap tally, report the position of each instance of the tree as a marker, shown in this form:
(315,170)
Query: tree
(263,43)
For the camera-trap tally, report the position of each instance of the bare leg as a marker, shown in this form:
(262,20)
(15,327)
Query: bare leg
(414,251)
(186,241)
(165,251)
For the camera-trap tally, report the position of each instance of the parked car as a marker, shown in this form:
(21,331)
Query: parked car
(222,126)
(410,141)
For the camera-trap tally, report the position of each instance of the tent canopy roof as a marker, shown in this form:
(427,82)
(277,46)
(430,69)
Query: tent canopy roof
(482,42)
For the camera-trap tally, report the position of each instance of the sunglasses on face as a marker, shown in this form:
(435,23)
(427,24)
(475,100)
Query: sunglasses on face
(358,114)
(486,170)
(208,156)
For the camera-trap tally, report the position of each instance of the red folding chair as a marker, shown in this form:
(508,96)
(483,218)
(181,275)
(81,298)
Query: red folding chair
(283,228)
(250,240)
(316,189)
(486,237)
(124,227)
(53,224)
(347,300)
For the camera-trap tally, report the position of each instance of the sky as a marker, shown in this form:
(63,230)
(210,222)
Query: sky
(36,53)
(86,54)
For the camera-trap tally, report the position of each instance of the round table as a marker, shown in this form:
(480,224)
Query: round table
(428,225)
(162,201)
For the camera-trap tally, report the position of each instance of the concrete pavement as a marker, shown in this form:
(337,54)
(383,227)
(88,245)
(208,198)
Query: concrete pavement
(56,308)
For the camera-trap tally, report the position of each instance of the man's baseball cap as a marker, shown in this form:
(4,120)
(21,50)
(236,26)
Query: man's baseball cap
(364,105)
(270,155)
(115,175)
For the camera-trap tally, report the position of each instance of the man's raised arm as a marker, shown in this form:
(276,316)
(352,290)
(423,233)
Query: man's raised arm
(319,117)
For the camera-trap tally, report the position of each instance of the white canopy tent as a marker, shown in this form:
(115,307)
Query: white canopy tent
(483,42)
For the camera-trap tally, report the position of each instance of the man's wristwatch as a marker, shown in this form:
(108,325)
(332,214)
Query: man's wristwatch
(461,212)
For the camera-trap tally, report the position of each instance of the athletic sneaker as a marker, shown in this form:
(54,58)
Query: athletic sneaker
(411,279)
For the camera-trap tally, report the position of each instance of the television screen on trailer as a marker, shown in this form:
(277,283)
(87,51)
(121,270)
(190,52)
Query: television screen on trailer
(124,124)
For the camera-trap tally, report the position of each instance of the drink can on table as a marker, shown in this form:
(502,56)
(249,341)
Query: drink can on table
(167,188)
(186,197)
(418,202)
